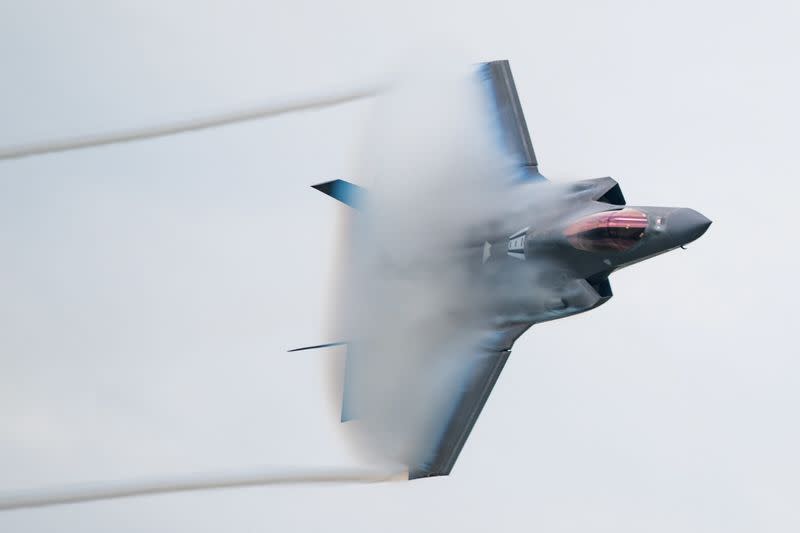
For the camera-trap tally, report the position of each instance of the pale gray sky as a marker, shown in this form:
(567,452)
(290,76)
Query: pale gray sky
(148,291)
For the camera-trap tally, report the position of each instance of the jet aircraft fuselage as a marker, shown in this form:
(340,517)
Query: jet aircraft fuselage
(557,263)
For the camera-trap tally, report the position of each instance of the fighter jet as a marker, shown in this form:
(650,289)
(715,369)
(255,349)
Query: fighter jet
(539,266)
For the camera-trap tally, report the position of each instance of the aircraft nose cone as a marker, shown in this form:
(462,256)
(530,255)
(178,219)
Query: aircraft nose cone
(687,225)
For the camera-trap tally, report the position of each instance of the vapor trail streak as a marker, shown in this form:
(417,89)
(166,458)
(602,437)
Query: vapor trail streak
(213,121)
(144,487)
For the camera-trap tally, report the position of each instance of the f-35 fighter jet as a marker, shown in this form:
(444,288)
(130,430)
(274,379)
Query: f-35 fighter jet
(540,268)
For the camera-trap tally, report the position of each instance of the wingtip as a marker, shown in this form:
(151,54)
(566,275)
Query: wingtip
(424,474)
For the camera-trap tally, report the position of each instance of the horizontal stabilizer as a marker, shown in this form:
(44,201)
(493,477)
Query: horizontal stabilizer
(317,346)
(344,191)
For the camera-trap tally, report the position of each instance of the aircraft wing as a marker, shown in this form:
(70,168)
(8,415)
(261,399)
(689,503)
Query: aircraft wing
(512,131)
(423,406)
(476,386)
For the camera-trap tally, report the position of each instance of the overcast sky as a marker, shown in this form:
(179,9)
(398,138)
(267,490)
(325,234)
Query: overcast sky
(149,291)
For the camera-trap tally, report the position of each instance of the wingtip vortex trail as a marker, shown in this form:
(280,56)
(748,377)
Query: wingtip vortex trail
(211,121)
(91,492)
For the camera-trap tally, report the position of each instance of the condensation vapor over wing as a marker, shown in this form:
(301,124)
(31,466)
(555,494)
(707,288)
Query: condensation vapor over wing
(433,172)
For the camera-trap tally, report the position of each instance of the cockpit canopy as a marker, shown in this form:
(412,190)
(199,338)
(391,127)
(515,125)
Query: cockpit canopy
(614,231)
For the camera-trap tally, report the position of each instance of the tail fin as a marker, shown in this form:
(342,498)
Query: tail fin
(353,196)
(344,191)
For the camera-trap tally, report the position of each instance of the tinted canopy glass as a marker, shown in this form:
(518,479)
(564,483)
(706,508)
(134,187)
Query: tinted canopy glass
(607,230)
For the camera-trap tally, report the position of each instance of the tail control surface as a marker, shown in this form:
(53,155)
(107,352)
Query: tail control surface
(344,191)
